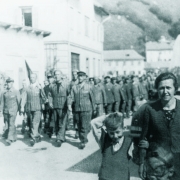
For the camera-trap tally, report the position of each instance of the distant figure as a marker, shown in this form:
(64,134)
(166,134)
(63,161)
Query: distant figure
(109,94)
(9,107)
(25,122)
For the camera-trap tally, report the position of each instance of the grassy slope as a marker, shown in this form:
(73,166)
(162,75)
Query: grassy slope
(122,33)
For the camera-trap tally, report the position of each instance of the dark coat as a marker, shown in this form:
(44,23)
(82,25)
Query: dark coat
(155,124)
(82,97)
(109,93)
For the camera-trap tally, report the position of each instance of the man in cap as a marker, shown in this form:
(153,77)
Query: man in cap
(9,107)
(109,94)
(91,81)
(25,121)
(128,88)
(34,98)
(117,94)
(48,111)
(136,90)
(99,96)
(74,82)
(59,93)
(124,98)
(82,97)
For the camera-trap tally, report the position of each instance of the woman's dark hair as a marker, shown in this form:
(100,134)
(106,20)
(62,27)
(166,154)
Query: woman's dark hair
(164,76)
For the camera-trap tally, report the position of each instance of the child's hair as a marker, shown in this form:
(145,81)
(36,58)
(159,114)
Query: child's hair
(161,153)
(114,120)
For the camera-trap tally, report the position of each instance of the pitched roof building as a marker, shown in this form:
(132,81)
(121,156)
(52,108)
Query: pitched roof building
(159,54)
(123,62)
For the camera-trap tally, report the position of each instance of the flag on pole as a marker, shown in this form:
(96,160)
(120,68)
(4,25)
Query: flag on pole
(29,72)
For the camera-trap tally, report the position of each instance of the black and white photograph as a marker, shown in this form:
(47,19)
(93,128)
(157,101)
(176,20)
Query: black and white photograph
(90,90)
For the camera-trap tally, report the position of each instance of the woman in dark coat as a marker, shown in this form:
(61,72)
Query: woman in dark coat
(161,122)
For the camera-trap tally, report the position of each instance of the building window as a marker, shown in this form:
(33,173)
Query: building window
(169,59)
(124,72)
(75,61)
(27,16)
(87,26)
(109,63)
(117,63)
(139,62)
(132,63)
(139,72)
(124,63)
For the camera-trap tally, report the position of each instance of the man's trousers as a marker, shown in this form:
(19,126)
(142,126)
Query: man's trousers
(34,122)
(10,131)
(60,118)
(83,122)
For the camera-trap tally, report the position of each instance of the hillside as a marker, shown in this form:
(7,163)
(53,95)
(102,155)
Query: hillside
(135,21)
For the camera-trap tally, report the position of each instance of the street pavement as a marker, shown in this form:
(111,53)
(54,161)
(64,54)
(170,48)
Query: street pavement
(44,161)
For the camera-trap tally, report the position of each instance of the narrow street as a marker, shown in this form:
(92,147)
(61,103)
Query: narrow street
(44,161)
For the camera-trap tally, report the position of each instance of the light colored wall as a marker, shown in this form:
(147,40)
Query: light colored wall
(18,47)
(65,19)
(129,66)
(155,56)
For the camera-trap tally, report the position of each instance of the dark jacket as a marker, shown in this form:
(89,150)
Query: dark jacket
(109,93)
(99,94)
(155,125)
(82,97)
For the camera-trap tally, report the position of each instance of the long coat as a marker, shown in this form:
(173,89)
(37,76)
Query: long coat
(33,97)
(83,97)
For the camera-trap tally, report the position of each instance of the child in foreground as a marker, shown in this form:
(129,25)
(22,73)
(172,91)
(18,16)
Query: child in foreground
(109,134)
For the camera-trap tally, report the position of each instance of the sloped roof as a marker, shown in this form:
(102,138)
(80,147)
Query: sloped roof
(129,54)
(159,45)
(99,9)
(24,28)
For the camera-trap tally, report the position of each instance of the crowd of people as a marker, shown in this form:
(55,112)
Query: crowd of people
(102,105)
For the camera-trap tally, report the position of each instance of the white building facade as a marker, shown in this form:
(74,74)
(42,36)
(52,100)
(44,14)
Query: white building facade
(123,62)
(76,41)
(159,54)
(19,44)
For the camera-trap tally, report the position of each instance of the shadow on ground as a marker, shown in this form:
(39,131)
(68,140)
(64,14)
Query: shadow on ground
(89,165)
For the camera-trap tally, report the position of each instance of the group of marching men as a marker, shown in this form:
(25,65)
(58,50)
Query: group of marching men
(82,99)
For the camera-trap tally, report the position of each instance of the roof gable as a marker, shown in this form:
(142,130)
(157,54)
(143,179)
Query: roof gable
(122,55)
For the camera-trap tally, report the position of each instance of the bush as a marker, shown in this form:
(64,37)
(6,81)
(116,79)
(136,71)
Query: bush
(175,29)
(161,15)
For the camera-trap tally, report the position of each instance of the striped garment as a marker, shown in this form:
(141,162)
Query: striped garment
(10,101)
(59,98)
(33,98)
(83,97)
